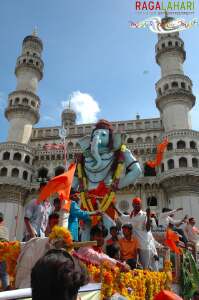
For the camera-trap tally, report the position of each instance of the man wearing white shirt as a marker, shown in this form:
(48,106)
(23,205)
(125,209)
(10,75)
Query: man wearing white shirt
(141,227)
(166,218)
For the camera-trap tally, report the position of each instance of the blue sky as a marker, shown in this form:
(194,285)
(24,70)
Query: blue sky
(88,47)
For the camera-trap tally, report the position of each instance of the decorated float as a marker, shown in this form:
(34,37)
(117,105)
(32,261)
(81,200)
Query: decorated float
(135,285)
(105,166)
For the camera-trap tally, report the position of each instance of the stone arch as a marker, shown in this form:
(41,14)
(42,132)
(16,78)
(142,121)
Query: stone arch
(181,144)
(166,87)
(155,139)
(170,44)
(129,140)
(182,162)
(139,140)
(194,162)
(59,170)
(6,155)
(70,146)
(15,172)
(27,159)
(58,156)
(25,175)
(183,86)
(17,100)
(4,172)
(174,84)
(148,140)
(170,146)
(170,164)
(152,201)
(25,101)
(192,144)
(42,172)
(33,103)
(17,156)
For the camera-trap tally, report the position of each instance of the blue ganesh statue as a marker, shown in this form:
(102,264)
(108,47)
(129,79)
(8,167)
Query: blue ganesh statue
(106,165)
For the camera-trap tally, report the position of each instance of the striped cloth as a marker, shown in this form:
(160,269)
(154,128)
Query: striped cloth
(4,234)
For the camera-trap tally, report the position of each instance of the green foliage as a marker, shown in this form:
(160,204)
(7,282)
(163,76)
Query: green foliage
(189,275)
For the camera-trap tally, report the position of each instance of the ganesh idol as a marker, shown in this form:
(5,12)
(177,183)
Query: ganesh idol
(105,166)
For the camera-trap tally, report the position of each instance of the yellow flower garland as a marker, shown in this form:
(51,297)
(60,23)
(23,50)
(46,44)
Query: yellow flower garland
(108,198)
(134,285)
(9,252)
(61,233)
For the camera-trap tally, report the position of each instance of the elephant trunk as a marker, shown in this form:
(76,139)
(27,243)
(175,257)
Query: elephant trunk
(95,151)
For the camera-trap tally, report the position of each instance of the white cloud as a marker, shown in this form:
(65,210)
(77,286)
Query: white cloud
(48,118)
(86,107)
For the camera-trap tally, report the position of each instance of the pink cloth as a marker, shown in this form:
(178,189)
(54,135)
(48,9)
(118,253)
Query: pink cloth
(94,257)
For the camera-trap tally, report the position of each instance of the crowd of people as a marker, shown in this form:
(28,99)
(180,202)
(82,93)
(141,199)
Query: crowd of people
(130,243)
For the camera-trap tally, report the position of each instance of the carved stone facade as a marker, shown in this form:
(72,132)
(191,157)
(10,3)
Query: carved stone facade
(24,159)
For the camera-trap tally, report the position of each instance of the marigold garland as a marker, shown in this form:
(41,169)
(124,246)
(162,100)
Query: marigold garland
(61,233)
(134,285)
(9,252)
(109,197)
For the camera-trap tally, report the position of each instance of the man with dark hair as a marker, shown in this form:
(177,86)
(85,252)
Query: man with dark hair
(57,275)
(96,254)
(129,246)
(36,217)
(114,236)
(4,237)
(53,220)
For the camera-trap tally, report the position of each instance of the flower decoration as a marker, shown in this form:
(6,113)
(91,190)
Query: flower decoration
(61,234)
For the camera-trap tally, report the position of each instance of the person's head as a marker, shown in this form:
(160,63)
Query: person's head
(57,275)
(127,230)
(137,204)
(192,221)
(113,231)
(97,234)
(57,204)
(53,220)
(74,196)
(113,251)
(1,217)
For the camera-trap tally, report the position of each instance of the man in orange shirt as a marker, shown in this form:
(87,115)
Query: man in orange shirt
(129,246)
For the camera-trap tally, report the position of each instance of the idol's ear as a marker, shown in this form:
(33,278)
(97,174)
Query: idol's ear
(84,142)
(118,140)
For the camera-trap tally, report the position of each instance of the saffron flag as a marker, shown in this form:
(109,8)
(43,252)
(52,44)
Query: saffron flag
(159,155)
(167,295)
(171,239)
(60,184)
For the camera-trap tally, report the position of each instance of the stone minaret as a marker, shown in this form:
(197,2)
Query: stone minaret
(179,171)
(23,104)
(174,89)
(17,155)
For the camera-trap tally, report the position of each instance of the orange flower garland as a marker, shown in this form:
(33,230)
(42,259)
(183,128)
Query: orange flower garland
(134,285)
(9,252)
(61,233)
